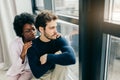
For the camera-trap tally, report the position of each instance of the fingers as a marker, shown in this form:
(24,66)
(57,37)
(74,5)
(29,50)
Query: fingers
(58,52)
(28,44)
(58,35)
(43,59)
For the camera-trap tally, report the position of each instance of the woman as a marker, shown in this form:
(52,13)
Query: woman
(25,31)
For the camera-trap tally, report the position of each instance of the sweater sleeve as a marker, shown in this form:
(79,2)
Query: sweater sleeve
(66,58)
(37,69)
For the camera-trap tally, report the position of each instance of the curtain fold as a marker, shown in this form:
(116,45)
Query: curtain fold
(7,13)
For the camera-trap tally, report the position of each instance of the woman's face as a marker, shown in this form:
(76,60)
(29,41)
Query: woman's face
(29,32)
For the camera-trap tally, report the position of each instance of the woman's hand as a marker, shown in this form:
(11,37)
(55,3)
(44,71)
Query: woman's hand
(24,50)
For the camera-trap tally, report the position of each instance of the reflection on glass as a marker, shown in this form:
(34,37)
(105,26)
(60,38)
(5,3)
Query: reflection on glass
(70,32)
(113,69)
(67,7)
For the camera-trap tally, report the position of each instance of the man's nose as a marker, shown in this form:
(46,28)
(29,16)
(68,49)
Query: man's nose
(55,30)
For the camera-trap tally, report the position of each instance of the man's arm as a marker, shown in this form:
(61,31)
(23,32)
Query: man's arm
(37,69)
(67,57)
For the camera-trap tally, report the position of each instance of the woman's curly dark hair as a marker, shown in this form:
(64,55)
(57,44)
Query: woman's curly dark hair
(20,21)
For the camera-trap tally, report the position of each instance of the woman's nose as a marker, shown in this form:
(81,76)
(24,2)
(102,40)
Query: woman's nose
(33,31)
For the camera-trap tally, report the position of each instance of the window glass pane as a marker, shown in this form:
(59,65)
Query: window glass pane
(113,59)
(116,10)
(67,7)
(70,32)
(39,4)
(112,11)
(107,8)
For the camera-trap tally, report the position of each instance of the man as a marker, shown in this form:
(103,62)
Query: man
(42,55)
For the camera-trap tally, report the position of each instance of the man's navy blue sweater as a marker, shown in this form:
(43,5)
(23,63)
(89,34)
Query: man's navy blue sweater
(40,48)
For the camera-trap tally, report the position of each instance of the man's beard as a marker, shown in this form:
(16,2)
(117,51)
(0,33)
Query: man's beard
(49,37)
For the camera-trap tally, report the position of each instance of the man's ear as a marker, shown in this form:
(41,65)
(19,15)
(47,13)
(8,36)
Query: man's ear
(41,29)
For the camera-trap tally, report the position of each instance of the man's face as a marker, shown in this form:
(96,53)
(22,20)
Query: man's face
(29,32)
(50,31)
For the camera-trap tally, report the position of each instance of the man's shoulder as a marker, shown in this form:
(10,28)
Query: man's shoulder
(61,41)
(61,38)
(35,40)
(35,43)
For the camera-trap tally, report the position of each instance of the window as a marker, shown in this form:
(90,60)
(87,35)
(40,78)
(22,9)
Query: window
(67,10)
(112,11)
(67,7)
(39,4)
(71,33)
(112,66)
